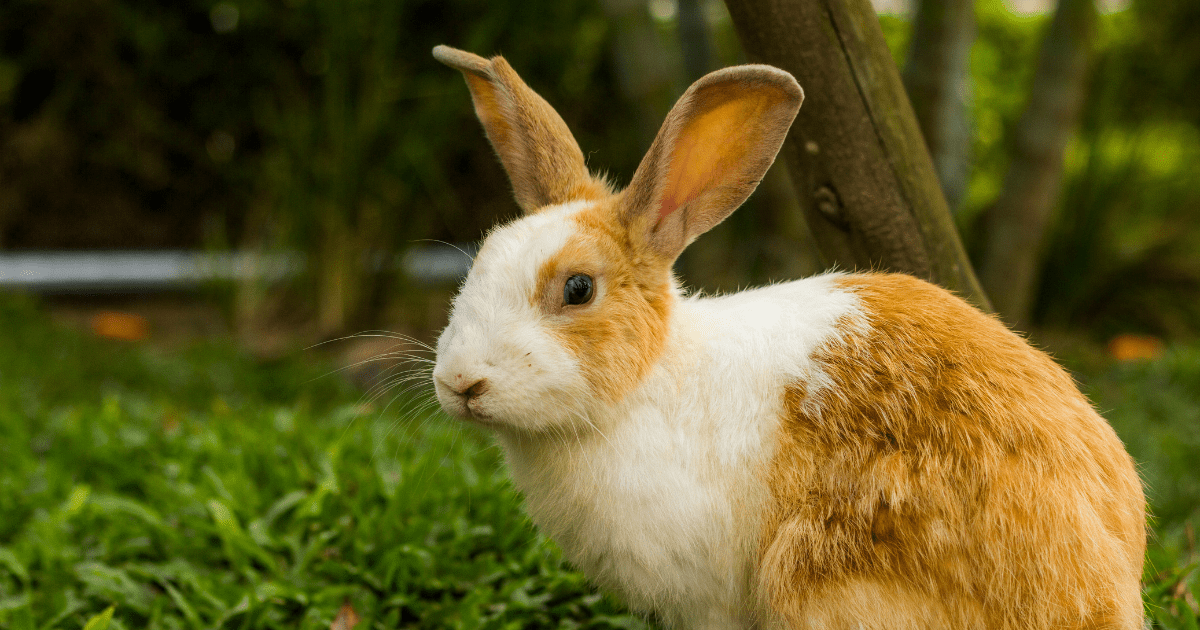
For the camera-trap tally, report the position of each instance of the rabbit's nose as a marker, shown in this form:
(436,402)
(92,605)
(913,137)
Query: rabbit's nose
(468,389)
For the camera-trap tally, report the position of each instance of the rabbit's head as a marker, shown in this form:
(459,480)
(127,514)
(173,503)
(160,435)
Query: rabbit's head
(568,307)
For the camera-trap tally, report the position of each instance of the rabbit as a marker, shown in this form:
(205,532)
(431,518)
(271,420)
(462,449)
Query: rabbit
(850,450)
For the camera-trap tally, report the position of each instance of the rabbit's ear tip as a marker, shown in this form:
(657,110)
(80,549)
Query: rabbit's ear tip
(757,74)
(444,53)
(459,59)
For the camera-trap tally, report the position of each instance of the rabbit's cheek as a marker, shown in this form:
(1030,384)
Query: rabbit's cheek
(509,373)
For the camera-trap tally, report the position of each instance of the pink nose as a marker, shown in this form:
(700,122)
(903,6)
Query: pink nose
(468,389)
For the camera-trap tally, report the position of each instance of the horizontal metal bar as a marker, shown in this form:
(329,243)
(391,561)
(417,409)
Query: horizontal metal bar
(137,271)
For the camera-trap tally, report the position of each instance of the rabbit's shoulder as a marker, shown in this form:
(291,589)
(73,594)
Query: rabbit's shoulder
(771,331)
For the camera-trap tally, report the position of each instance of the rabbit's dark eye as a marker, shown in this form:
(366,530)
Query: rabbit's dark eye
(578,289)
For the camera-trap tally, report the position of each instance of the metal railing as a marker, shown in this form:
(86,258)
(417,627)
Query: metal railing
(150,271)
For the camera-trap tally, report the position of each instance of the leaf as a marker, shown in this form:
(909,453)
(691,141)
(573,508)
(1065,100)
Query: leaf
(346,617)
(72,605)
(16,602)
(181,603)
(9,560)
(285,503)
(78,498)
(226,520)
(114,584)
(111,503)
(101,621)
(120,326)
(238,543)
(242,606)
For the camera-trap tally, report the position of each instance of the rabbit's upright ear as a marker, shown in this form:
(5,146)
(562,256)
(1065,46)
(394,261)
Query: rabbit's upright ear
(539,153)
(710,154)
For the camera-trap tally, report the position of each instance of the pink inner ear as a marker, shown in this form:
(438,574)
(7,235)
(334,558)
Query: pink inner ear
(690,174)
(665,208)
(711,147)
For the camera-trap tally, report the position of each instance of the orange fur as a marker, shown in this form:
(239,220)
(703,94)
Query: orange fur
(709,155)
(714,141)
(948,475)
(539,153)
(620,335)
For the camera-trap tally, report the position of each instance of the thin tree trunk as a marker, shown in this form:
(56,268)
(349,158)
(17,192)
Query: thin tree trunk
(938,82)
(855,153)
(1016,226)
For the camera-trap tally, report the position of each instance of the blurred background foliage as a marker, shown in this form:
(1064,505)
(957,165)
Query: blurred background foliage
(328,128)
(1123,249)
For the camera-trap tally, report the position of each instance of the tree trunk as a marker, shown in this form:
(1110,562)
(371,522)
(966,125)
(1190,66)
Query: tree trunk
(938,82)
(855,153)
(1017,224)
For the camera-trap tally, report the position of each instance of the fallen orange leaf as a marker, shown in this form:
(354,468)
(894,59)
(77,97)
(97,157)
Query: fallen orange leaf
(170,422)
(123,326)
(346,617)
(1131,347)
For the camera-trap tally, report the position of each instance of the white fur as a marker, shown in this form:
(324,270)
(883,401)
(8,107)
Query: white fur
(496,333)
(657,498)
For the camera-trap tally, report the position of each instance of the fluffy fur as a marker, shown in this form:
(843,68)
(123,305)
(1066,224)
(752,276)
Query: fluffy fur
(846,451)
(942,444)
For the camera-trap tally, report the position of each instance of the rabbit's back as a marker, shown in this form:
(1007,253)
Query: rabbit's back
(946,474)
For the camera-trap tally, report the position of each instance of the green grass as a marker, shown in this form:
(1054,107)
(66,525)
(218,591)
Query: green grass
(201,490)
(1155,407)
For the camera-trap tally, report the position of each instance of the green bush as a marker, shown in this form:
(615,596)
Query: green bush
(1121,252)
(318,125)
(1123,255)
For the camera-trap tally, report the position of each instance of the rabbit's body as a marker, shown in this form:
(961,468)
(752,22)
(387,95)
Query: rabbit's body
(664,500)
(846,451)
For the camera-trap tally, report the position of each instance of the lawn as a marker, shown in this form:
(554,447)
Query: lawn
(203,490)
(200,489)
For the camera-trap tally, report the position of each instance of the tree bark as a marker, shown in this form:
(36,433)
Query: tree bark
(861,171)
(1017,224)
(938,81)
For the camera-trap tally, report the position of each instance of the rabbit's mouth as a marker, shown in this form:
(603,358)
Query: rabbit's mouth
(470,412)
(463,407)
(478,416)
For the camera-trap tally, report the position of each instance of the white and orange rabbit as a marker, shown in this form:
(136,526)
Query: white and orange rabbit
(844,451)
